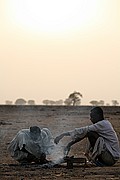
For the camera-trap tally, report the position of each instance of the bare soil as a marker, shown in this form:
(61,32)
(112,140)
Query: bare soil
(58,119)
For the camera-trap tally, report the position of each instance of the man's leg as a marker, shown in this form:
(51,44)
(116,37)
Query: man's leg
(92,137)
(106,158)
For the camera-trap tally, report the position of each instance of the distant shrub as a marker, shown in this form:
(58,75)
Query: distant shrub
(20,102)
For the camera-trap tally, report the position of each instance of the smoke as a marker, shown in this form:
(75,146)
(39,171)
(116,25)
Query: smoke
(57,153)
(56,157)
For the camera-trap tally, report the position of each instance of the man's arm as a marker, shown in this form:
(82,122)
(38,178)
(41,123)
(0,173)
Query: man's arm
(77,134)
(71,143)
(58,138)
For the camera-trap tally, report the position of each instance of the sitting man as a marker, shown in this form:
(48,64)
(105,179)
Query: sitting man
(31,145)
(103,147)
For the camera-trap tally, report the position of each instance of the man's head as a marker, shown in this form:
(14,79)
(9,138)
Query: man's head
(96,114)
(35,130)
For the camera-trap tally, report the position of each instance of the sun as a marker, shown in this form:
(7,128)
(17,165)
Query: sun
(52,15)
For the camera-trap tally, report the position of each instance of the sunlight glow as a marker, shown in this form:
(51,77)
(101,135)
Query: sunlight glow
(53,15)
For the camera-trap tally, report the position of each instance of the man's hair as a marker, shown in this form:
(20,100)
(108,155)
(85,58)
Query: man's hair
(98,110)
(35,129)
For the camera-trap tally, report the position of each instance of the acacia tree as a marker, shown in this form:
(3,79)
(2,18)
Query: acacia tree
(75,98)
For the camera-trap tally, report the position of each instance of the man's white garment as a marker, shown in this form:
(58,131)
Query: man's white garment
(107,134)
(34,145)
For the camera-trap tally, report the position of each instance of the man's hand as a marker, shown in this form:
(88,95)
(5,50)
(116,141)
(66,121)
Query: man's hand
(57,139)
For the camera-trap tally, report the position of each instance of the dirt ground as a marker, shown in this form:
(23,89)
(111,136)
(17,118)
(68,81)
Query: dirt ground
(58,119)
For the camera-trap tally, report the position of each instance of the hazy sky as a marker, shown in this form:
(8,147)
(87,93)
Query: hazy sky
(50,48)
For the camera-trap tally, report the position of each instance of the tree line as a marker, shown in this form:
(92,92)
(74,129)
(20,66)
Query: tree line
(74,99)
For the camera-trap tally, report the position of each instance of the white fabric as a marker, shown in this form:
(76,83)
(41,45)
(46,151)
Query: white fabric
(79,133)
(98,148)
(106,131)
(34,145)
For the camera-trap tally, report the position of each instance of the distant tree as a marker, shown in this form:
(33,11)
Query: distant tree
(7,102)
(20,102)
(101,103)
(94,103)
(31,102)
(46,102)
(115,102)
(78,102)
(51,102)
(75,98)
(68,102)
(59,102)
